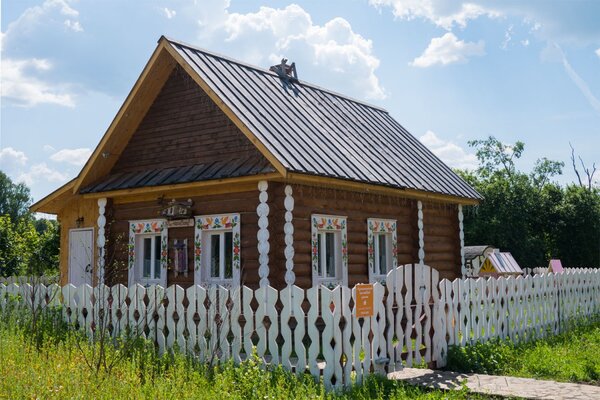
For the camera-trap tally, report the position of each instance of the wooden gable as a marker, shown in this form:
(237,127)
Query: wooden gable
(184,127)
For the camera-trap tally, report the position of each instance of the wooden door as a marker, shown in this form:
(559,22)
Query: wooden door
(81,256)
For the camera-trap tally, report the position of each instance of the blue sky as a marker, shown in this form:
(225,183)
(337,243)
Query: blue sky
(449,71)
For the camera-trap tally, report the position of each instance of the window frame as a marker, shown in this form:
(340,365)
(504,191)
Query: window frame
(321,225)
(138,230)
(375,228)
(205,227)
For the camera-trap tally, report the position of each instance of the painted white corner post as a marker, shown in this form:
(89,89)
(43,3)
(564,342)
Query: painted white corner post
(101,240)
(288,229)
(421,233)
(461,235)
(263,234)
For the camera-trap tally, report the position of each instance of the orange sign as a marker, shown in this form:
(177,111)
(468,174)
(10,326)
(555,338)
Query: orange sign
(364,300)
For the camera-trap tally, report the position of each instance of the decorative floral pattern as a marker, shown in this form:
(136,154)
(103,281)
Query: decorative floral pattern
(218,222)
(142,227)
(375,226)
(322,223)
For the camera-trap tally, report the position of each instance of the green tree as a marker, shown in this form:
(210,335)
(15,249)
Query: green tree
(529,215)
(15,198)
(27,245)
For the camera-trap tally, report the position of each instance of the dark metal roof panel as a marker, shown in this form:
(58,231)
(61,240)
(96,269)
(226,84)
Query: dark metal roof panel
(315,131)
(174,175)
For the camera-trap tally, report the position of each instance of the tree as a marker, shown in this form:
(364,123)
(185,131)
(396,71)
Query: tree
(529,215)
(15,198)
(27,245)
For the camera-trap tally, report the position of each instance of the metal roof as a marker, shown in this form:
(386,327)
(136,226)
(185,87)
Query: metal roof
(312,130)
(191,173)
(504,263)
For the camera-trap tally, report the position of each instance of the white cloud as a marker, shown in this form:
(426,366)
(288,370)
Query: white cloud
(598,53)
(340,57)
(75,26)
(169,13)
(450,153)
(48,148)
(507,37)
(21,86)
(525,42)
(579,82)
(10,156)
(41,172)
(72,156)
(22,79)
(444,14)
(448,50)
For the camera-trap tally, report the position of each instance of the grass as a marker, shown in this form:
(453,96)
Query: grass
(573,356)
(51,363)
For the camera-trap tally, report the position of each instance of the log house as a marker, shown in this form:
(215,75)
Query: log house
(218,172)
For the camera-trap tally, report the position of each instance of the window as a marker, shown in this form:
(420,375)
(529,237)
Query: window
(217,250)
(383,259)
(382,248)
(150,258)
(330,250)
(148,252)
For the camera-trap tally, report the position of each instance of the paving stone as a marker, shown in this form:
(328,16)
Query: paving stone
(497,385)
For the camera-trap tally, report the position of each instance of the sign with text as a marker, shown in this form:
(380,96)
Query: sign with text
(364,300)
(180,223)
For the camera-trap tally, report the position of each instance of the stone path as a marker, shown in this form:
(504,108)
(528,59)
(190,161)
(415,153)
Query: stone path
(498,385)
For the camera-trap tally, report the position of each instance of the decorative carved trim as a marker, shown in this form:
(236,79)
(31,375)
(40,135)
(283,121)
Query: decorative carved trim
(421,233)
(321,223)
(461,235)
(288,228)
(143,227)
(101,239)
(217,222)
(380,226)
(262,210)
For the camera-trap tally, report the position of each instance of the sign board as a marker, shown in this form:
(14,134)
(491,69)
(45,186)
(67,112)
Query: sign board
(364,300)
(180,223)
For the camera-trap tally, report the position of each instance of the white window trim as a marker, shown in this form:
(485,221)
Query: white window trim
(215,223)
(377,226)
(145,227)
(323,224)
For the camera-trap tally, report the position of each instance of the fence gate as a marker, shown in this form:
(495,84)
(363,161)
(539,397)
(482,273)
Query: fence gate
(411,308)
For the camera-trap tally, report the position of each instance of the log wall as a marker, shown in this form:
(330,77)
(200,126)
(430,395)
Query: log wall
(442,245)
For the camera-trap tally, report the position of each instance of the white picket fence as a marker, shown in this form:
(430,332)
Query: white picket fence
(415,319)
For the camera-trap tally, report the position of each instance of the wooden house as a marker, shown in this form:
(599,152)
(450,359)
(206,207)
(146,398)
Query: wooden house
(218,172)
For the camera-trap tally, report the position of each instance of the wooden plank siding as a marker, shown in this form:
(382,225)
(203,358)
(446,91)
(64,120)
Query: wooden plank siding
(183,127)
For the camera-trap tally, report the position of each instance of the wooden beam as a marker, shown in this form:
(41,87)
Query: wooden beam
(186,187)
(315,180)
(48,203)
(131,113)
(225,108)
(185,193)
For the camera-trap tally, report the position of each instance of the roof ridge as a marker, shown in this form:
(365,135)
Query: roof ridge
(268,72)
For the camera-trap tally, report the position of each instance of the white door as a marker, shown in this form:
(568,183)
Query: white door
(81,256)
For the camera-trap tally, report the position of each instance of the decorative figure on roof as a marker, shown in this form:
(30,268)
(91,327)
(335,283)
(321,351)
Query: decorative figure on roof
(285,71)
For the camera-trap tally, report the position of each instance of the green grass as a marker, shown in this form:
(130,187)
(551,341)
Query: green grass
(51,363)
(573,356)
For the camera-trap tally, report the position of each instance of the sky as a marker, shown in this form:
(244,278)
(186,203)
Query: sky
(449,71)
